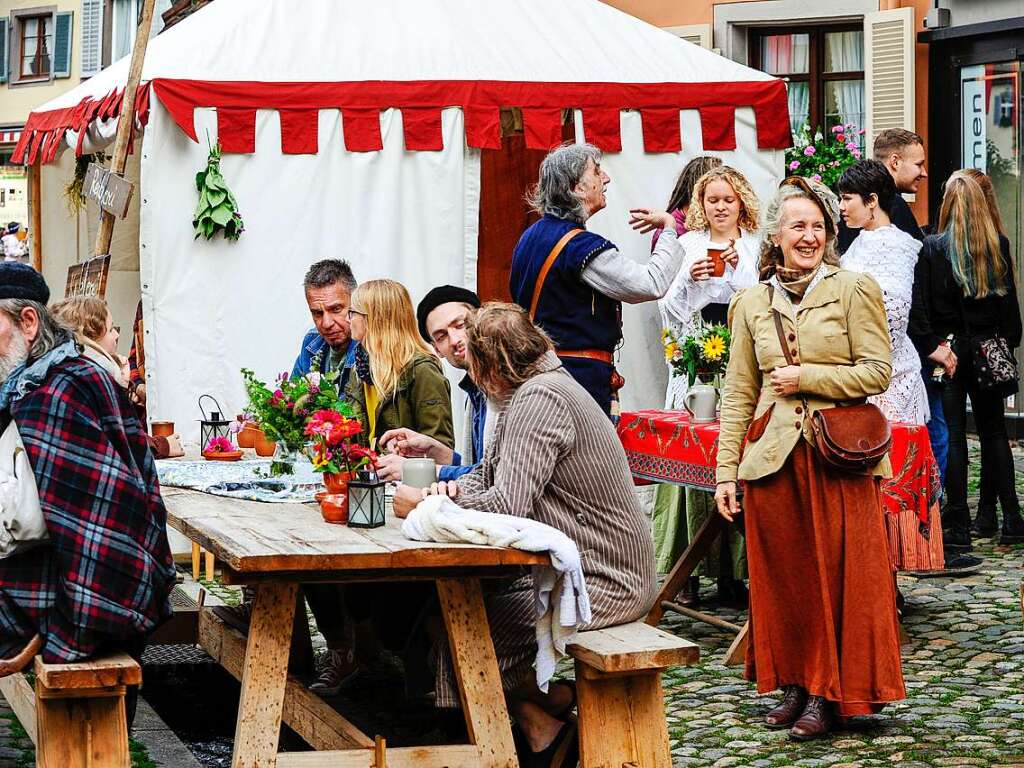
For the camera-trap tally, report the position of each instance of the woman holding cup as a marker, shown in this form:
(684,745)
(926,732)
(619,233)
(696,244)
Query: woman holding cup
(720,252)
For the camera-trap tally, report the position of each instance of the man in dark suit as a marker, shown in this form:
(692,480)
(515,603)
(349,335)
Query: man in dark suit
(902,152)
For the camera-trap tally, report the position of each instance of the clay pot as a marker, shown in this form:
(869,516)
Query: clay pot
(337,482)
(247,435)
(264,445)
(162,428)
(222,455)
(334,508)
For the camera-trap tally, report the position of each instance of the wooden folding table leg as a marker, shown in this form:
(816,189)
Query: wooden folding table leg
(264,675)
(195,561)
(209,566)
(476,669)
(694,553)
(737,652)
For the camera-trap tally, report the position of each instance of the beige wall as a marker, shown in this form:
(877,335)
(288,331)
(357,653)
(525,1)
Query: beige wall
(16,102)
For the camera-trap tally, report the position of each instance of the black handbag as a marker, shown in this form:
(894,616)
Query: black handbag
(992,361)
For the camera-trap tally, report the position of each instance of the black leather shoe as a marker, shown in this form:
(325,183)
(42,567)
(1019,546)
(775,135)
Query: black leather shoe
(985,524)
(1013,528)
(790,708)
(956,539)
(815,722)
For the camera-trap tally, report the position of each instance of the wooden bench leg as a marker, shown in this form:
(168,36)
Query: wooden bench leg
(264,675)
(196,552)
(78,732)
(209,566)
(621,719)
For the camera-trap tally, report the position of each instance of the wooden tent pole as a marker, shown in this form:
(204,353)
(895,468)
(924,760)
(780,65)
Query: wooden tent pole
(35,204)
(126,123)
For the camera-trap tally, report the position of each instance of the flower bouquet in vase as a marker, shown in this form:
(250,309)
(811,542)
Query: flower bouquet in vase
(282,412)
(703,355)
(335,456)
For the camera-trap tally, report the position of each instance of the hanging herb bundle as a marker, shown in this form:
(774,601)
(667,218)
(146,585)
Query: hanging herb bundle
(74,193)
(217,210)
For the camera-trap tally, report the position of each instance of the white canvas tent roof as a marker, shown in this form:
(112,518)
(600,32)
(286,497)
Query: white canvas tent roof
(326,104)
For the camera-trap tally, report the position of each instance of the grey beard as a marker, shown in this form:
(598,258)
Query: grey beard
(17,354)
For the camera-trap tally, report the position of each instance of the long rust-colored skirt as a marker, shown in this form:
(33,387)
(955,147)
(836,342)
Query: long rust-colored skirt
(822,597)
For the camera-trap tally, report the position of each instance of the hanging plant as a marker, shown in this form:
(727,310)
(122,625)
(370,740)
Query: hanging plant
(217,210)
(74,194)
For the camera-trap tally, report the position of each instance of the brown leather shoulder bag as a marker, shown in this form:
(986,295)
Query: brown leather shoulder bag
(852,437)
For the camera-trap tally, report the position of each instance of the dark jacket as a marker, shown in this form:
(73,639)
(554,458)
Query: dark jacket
(422,402)
(902,218)
(314,354)
(936,308)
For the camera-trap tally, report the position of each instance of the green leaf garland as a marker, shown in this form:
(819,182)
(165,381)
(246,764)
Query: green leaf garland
(217,210)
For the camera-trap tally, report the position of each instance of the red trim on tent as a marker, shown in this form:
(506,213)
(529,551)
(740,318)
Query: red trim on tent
(299,131)
(45,130)
(236,130)
(360,101)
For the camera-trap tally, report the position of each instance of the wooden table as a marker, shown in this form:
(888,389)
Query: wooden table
(276,547)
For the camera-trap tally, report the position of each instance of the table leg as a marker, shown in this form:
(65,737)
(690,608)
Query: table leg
(476,669)
(687,562)
(737,652)
(195,561)
(264,674)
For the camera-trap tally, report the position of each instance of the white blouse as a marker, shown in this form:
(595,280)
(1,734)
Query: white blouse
(889,255)
(686,297)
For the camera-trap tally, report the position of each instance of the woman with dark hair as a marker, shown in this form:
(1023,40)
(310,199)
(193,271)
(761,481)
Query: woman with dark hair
(867,194)
(822,604)
(682,192)
(965,281)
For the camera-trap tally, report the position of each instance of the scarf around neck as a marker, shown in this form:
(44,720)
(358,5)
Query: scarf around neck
(795,281)
(29,376)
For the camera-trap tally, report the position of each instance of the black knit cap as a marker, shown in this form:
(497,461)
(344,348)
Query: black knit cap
(442,295)
(20,281)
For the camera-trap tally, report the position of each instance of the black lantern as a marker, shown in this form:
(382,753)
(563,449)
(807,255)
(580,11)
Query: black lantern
(366,500)
(212,427)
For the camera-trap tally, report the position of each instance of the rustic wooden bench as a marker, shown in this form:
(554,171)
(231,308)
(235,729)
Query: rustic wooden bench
(620,702)
(76,716)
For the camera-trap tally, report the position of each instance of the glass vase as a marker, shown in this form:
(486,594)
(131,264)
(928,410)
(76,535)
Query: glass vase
(283,461)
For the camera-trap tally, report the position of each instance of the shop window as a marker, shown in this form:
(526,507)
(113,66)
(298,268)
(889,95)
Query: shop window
(824,69)
(36,37)
(40,43)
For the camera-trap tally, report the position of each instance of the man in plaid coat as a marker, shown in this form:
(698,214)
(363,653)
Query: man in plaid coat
(102,581)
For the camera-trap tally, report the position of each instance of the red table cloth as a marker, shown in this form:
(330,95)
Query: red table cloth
(667,447)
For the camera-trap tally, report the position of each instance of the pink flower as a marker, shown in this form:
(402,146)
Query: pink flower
(852,146)
(837,129)
(861,132)
(816,177)
(219,445)
(856,153)
(794,165)
(809,150)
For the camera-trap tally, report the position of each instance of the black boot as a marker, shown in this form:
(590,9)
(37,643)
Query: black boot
(957,538)
(1013,528)
(985,523)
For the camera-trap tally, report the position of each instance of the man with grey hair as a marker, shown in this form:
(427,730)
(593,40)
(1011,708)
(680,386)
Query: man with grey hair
(328,346)
(573,282)
(102,580)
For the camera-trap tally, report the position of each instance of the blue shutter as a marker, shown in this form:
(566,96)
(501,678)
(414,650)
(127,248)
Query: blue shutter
(91,23)
(5,26)
(62,45)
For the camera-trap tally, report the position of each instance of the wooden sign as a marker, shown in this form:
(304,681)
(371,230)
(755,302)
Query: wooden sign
(88,278)
(108,189)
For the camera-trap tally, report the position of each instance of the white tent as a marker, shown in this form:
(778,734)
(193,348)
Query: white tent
(356,130)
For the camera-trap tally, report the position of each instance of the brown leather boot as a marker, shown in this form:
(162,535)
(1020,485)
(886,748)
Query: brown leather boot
(815,722)
(792,705)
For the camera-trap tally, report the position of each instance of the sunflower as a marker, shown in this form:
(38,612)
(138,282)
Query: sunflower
(670,352)
(714,348)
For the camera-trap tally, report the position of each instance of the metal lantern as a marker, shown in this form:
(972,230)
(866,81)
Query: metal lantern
(366,500)
(212,426)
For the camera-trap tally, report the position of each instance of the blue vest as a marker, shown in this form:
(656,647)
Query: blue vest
(574,315)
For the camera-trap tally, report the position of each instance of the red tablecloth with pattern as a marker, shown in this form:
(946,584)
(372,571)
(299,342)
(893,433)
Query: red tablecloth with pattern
(667,447)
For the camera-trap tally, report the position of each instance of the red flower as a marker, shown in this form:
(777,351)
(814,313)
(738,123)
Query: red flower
(840,137)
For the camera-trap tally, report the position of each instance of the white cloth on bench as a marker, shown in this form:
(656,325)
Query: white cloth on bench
(560,592)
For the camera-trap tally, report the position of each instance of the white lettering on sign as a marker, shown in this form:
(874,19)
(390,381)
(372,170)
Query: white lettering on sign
(973,150)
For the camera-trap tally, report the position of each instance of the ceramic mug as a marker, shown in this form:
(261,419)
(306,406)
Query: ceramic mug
(715,251)
(701,403)
(419,473)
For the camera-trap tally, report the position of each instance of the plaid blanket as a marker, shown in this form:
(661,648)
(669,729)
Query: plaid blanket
(103,580)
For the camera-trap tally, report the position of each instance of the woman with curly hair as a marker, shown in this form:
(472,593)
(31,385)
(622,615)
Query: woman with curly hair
(723,219)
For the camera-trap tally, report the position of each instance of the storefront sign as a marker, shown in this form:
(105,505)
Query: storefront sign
(973,113)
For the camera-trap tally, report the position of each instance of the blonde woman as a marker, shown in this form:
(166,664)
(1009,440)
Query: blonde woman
(399,382)
(90,319)
(722,216)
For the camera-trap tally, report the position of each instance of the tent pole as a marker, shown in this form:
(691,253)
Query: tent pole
(126,123)
(35,200)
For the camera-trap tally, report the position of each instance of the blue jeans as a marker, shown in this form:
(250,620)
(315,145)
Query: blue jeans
(938,430)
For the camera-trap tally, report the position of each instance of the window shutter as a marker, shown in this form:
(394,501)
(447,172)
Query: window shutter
(888,71)
(698,34)
(92,37)
(62,44)
(5,26)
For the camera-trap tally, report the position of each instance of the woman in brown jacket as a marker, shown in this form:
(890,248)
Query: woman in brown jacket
(822,599)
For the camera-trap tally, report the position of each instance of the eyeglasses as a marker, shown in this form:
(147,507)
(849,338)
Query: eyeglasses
(352,312)
(116,329)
